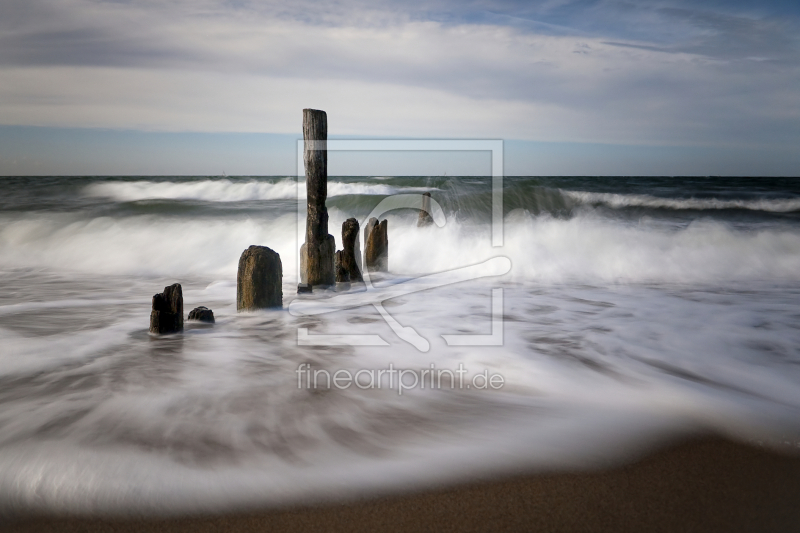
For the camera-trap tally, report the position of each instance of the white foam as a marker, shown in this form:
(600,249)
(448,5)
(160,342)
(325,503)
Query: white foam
(542,249)
(207,190)
(144,245)
(591,249)
(220,424)
(226,190)
(784,205)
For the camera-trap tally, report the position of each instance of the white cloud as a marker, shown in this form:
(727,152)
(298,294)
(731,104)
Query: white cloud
(205,67)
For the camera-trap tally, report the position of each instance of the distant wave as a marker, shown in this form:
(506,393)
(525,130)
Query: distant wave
(342,189)
(785,205)
(230,191)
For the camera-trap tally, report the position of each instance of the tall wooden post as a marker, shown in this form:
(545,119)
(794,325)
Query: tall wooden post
(317,254)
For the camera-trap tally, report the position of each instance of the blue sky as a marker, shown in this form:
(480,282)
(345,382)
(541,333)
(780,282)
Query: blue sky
(587,87)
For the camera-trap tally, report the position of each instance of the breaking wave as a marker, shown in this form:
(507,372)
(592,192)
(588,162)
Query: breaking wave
(618,201)
(542,248)
(231,191)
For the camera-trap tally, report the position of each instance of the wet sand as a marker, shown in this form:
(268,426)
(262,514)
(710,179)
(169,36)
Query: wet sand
(699,486)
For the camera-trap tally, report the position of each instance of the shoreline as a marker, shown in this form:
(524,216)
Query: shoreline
(706,484)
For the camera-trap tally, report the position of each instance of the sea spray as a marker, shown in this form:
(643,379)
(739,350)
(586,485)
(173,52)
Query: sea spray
(585,248)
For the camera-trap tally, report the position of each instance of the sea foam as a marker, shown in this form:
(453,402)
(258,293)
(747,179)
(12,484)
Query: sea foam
(617,201)
(225,190)
(544,249)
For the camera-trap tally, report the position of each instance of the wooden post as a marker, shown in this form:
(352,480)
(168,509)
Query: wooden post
(425,218)
(376,246)
(316,254)
(350,249)
(167,313)
(258,281)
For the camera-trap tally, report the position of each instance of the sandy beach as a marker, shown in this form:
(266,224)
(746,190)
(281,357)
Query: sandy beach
(702,485)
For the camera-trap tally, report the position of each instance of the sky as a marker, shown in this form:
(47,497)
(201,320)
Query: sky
(206,87)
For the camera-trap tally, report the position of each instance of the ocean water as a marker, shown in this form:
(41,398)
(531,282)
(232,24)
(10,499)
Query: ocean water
(618,314)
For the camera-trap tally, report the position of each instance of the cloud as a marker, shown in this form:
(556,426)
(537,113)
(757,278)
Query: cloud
(657,73)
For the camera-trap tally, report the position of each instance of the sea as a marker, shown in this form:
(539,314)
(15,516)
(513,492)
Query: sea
(542,324)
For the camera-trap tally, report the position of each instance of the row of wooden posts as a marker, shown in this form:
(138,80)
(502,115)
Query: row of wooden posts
(260,273)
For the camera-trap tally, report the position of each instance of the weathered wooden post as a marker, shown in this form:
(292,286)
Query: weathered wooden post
(316,254)
(258,282)
(425,218)
(376,246)
(167,313)
(350,249)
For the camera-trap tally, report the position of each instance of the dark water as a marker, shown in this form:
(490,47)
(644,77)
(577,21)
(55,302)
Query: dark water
(618,311)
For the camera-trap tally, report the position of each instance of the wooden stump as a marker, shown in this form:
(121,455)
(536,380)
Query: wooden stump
(316,255)
(304,288)
(202,314)
(376,246)
(342,274)
(167,313)
(258,282)
(351,250)
(425,218)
